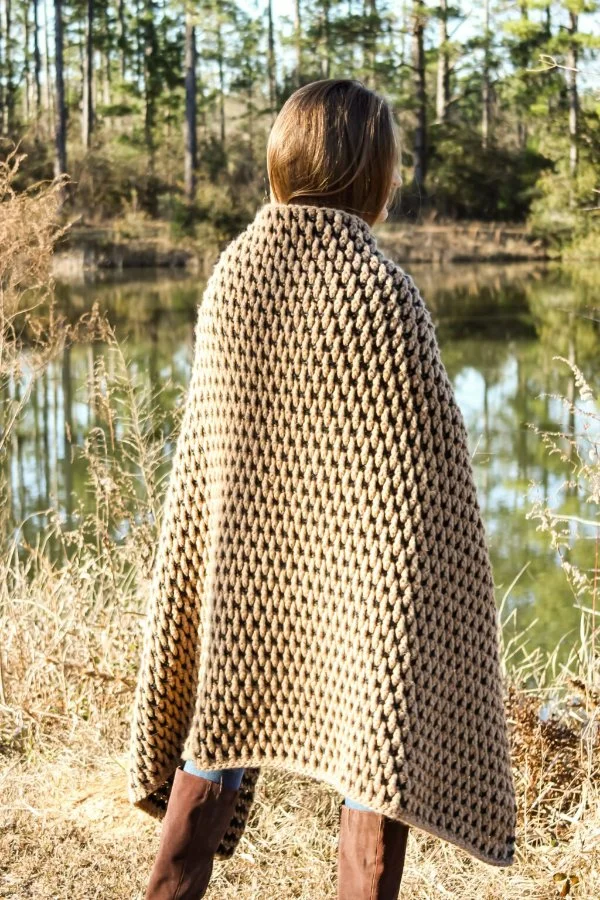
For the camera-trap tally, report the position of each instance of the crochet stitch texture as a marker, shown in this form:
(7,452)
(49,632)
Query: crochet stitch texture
(322,598)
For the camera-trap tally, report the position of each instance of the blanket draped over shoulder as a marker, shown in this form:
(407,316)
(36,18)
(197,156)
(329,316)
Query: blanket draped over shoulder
(322,599)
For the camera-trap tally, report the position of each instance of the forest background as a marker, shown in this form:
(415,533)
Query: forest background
(160,110)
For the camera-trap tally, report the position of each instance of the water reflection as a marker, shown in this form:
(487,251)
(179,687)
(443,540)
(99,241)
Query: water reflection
(498,328)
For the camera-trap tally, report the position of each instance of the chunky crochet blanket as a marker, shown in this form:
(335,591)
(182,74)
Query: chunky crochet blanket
(322,599)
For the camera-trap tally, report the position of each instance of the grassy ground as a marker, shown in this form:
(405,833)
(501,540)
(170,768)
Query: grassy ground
(68,831)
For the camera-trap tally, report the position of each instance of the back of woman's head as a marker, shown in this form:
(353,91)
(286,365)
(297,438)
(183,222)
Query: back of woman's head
(334,143)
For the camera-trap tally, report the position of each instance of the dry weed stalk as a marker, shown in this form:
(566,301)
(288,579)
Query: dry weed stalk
(32,332)
(69,648)
(554,710)
(580,451)
(72,621)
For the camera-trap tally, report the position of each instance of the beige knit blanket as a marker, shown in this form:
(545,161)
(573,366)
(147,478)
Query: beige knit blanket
(322,599)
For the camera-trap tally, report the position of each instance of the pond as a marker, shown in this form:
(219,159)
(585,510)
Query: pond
(498,327)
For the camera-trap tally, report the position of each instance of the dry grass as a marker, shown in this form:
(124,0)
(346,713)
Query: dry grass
(71,833)
(67,827)
(71,627)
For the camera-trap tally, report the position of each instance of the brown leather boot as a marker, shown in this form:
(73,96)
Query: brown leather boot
(371,853)
(197,816)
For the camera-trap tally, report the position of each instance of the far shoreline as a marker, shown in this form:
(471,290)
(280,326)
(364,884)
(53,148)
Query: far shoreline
(124,246)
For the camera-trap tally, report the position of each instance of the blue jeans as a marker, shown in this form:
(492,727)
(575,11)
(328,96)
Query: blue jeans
(232,778)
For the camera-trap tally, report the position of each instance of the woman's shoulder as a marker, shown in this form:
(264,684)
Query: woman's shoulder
(374,273)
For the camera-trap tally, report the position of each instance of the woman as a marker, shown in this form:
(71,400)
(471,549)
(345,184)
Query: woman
(322,598)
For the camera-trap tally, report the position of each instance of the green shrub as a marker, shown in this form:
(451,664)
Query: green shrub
(468,181)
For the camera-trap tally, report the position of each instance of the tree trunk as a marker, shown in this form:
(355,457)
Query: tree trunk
(298,39)
(150,50)
(486,97)
(61,109)
(573,96)
(221,80)
(107,80)
(37,61)
(50,93)
(442,98)
(140,43)
(271,62)
(190,161)
(88,76)
(523,61)
(418,62)
(250,107)
(325,59)
(9,96)
(122,41)
(26,65)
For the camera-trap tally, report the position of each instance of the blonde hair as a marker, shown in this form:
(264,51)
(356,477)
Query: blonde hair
(335,143)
